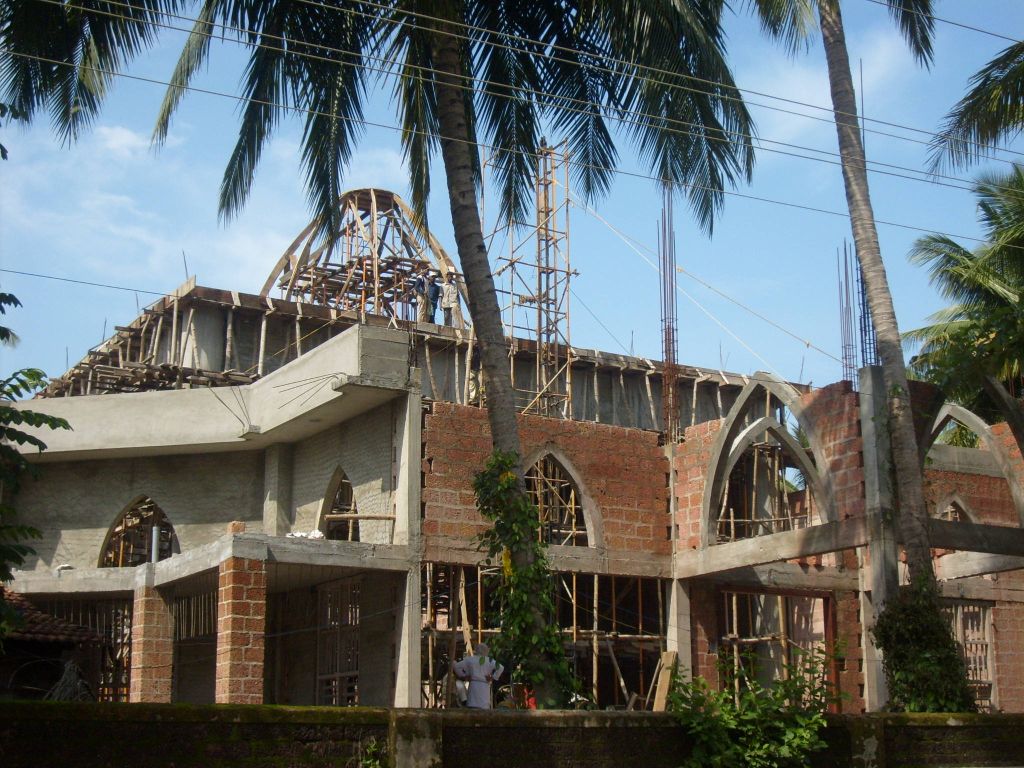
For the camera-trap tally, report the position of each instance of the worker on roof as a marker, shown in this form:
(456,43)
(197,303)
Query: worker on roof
(433,297)
(449,298)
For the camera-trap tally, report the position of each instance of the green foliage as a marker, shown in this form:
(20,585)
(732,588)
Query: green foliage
(13,464)
(924,669)
(981,333)
(761,726)
(373,754)
(531,648)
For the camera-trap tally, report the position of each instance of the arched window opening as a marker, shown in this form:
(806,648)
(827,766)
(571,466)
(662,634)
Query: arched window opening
(558,500)
(143,534)
(341,522)
(765,493)
(954,513)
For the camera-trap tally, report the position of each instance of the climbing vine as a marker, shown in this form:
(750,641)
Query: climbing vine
(531,649)
(923,666)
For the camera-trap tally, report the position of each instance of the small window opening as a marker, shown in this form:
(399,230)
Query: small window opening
(558,501)
(133,537)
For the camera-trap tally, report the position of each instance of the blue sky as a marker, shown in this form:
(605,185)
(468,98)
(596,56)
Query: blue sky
(111,210)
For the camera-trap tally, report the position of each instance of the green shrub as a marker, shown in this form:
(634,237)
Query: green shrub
(923,666)
(751,725)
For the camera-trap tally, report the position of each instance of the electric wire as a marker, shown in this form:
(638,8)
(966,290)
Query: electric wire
(658,75)
(950,22)
(588,106)
(81,282)
(617,171)
(701,307)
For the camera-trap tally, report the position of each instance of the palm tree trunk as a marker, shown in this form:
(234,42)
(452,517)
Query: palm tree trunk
(482,297)
(908,477)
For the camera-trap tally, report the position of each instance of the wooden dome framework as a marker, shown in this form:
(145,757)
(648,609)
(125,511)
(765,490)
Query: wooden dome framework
(369,266)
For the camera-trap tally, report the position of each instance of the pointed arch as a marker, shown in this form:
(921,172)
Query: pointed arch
(129,542)
(339,516)
(954,509)
(951,412)
(568,514)
(739,435)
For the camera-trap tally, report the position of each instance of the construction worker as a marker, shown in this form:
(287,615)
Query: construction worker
(419,289)
(479,670)
(433,297)
(449,298)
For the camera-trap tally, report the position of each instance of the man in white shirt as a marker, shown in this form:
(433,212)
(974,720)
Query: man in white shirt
(479,670)
(449,298)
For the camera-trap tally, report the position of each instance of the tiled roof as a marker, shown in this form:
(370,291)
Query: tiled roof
(42,627)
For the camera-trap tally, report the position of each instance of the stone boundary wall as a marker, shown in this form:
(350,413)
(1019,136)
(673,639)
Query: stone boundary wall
(34,734)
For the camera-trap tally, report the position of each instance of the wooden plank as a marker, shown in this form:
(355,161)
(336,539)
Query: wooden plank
(667,667)
(771,548)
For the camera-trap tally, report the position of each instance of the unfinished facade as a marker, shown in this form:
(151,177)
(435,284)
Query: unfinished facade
(269,499)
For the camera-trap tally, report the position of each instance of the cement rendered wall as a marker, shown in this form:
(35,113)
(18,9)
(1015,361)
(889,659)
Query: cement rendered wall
(362,448)
(74,504)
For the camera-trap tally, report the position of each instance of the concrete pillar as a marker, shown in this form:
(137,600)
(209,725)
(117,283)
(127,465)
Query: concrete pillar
(409,450)
(679,638)
(882,552)
(152,647)
(407,632)
(379,593)
(241,627)
(277,489)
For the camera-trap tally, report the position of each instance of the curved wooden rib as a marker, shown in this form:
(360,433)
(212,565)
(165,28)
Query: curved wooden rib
(379,247)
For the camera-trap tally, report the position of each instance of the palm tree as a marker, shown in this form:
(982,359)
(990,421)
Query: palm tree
(913,17)
(464,71)
(976,345)
(991,113)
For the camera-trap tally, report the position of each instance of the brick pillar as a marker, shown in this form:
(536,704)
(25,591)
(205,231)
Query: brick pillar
(241,625)
(152,647)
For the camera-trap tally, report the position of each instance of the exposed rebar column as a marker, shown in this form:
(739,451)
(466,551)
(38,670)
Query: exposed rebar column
(669,321)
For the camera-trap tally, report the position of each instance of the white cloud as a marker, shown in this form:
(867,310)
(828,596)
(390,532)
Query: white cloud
(120,141)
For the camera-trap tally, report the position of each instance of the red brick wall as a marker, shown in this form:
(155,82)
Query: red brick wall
(704,632)
(623,471)
(692,465)
(849,645)
(1008,620)
(152,648)
(988,498)
(241,624)
(835,413)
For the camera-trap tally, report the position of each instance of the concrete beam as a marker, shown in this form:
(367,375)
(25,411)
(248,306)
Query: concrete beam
(774,547)
(976,537)
(790,576)
(960,565)
(446,549)
(341,554)
(350,374)
(952,458)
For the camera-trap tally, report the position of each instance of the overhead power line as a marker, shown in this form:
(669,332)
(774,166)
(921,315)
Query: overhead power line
(586,107)
(384,126)
(951,23)
(82,282)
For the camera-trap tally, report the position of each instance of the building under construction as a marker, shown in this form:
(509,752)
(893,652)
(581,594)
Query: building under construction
(268,498)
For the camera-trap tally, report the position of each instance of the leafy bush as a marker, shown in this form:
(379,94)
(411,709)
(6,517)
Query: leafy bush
(923,666)
(776,726)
